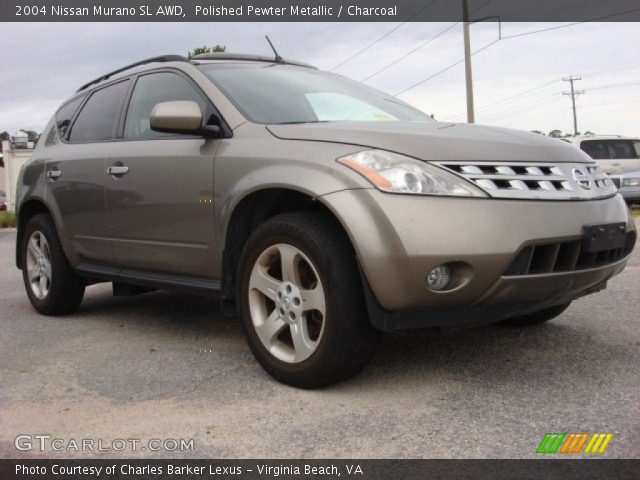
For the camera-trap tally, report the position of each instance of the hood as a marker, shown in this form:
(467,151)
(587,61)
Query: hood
(438,141)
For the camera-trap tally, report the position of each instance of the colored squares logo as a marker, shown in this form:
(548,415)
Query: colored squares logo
(574,443)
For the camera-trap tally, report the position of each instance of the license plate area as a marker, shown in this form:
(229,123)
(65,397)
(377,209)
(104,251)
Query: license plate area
(598,238)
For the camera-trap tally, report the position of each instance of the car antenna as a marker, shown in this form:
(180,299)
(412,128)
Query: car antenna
(279,59)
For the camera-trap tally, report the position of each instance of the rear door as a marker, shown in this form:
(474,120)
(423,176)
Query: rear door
(75,170)
(160,206)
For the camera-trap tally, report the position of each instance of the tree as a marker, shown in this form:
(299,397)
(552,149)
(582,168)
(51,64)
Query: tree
(555,133)
(538,132)
(204,49)
(33,136)
(4,135)
(588,133)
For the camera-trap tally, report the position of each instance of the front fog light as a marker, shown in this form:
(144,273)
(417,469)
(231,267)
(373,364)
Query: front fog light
(439,277)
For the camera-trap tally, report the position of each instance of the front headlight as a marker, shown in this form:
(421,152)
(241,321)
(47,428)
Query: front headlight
(630,182)
(395,173)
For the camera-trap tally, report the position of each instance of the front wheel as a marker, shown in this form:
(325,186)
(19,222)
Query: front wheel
(301,301)
(52,285)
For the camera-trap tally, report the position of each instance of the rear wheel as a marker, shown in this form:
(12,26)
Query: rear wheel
(538,317)
(301,301)
(52,285)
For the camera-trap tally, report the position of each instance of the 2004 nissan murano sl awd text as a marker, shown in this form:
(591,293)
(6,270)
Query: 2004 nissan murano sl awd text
(323,211)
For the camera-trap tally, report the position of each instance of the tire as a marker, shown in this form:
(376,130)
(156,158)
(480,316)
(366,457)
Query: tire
(315,347)
(62,289)
(538,317)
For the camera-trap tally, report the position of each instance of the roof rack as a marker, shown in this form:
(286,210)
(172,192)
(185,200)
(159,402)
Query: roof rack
(247,58)
(162,58)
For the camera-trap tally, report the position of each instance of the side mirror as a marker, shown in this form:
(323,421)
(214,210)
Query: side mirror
(183,116)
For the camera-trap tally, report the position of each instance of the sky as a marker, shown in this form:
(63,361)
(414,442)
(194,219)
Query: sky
(517,81)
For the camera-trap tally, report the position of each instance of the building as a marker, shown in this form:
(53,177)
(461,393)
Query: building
(15,154)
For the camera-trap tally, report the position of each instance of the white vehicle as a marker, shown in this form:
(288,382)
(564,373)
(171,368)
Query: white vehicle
(613,153)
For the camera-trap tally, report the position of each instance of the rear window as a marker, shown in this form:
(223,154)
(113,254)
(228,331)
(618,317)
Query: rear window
(97,119)
(605,149)
(65,115)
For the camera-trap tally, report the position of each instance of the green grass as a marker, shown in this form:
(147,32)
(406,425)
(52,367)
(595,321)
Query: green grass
(635,209)
(7,219)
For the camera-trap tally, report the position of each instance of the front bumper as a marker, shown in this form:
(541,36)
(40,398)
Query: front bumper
(400,238)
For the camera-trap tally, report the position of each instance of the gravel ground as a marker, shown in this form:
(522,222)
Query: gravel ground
(164,366)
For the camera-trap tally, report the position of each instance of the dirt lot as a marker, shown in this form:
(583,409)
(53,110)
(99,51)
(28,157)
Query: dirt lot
(172,367)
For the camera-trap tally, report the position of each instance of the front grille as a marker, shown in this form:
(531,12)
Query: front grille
(565,257)
(543,181)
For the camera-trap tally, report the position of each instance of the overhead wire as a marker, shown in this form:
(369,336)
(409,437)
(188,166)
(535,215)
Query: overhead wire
(556,27)
(361,51)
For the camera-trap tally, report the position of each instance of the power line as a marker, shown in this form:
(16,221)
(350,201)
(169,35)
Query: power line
(506,99)
(540,103)
(424,44)
(540,116)
(569,24)
(569,108)
(521,94)
(611,70)
(612,85)
(444,69)
(359,52)
(411,52)
(556,27)
(531,106)
(607,104)
(543,86)
(513,36)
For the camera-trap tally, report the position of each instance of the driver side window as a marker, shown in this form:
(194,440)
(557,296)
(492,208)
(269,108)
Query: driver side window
(150,90)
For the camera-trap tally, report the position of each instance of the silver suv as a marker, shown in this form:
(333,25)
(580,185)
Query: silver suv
(324,212)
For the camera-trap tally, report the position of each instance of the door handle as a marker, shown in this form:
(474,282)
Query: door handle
(54,174)
(117,170)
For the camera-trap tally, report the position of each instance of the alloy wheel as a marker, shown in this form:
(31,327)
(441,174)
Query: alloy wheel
(287,303)
(39,265)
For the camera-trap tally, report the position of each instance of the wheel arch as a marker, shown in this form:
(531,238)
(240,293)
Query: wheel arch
(26,212)
(253,209)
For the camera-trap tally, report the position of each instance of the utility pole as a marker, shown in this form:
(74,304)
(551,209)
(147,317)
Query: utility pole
(467,61)
(573,94)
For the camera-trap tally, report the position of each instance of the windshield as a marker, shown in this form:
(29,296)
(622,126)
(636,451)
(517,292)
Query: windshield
(277,94)
(618,149)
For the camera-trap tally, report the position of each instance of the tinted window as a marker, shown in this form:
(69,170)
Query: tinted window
(602,149)
(51,138)
(148,92)
(289,94)
(97,119)
(65,115)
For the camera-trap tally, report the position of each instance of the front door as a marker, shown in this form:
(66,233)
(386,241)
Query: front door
(159,187)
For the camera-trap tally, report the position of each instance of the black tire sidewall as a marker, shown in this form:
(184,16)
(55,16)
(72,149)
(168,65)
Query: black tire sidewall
(344,302)
(66,289)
